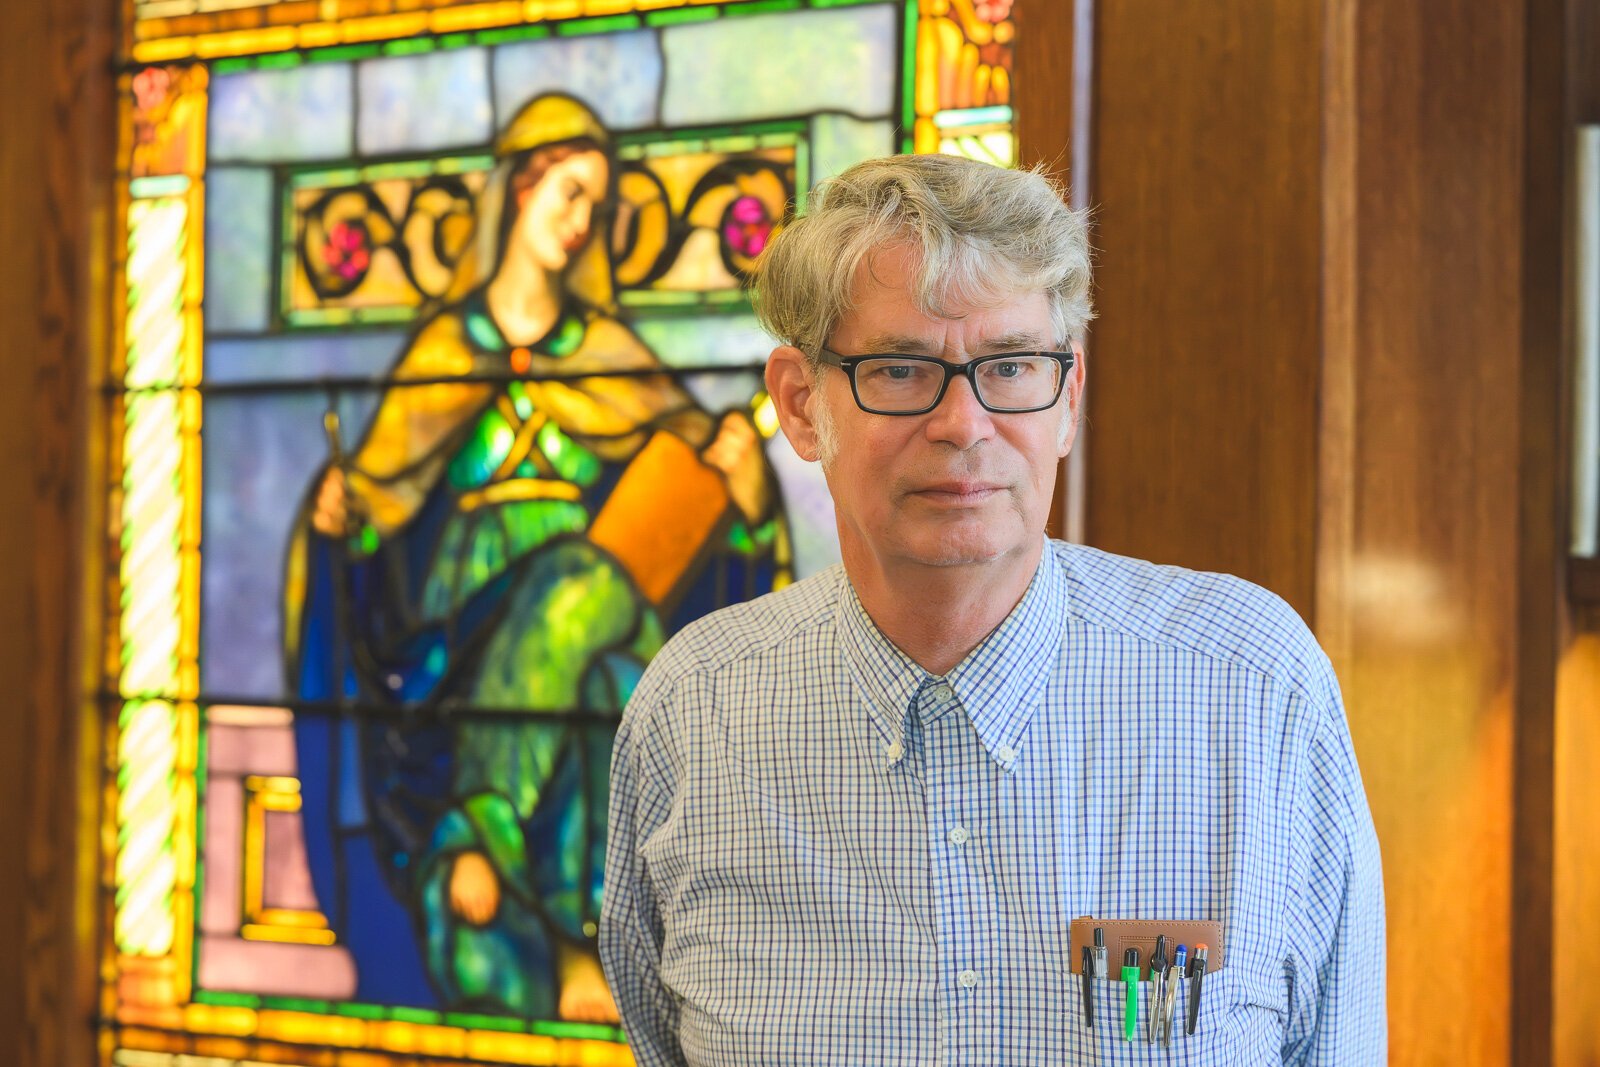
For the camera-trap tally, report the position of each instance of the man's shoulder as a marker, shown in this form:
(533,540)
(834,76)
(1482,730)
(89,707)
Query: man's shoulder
(745,632)
(1209,614)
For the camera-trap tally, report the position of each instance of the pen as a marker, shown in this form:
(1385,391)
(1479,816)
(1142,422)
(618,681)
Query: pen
(1130,981)
(1158,986)
(1178,958)
(1099,952)
(1088,986)
(1198,973)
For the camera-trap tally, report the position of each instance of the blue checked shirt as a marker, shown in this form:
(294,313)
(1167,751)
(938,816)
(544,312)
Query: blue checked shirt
(820,854)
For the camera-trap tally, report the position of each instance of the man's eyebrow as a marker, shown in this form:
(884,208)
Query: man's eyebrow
(1015,341)
(898,342)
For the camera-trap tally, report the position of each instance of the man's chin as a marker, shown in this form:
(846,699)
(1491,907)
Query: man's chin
(963,549)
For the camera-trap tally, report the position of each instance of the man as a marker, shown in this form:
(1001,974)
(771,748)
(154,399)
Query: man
(852,821)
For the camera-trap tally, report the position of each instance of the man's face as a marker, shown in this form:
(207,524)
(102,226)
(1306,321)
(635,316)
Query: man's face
(958,485)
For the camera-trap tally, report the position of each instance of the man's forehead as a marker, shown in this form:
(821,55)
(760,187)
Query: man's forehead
(888,312)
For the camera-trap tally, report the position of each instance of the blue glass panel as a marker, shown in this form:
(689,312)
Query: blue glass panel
(619,76)
(812,529)
(261,453)
(342,354)
(239,225)
(766,66)
(698,340)
(416,103)
(723,392)
(839,141)
(267,116)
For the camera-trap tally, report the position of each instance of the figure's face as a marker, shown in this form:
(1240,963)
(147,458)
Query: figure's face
(959,485)
(556,217)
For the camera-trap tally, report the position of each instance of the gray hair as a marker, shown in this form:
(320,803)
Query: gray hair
(984,234)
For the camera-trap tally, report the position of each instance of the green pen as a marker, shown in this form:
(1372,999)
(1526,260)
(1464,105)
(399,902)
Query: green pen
(1130,981)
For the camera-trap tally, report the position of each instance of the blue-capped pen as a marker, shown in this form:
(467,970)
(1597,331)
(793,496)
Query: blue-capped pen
(1180,958)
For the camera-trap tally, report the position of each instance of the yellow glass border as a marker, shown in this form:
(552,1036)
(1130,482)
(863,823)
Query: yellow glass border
(217,35)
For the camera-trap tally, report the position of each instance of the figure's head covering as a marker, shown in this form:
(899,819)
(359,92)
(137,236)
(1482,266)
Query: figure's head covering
(547,120)
(544,122)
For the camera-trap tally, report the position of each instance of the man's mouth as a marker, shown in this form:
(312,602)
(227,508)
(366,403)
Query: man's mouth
(957,492)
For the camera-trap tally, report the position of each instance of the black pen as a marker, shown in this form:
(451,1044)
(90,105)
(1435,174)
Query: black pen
(1197,971)
(1088,986)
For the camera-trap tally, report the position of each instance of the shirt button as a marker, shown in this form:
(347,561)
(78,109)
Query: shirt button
(968,979)
(1005,754)
(893,750)
(943,692)
(958,836)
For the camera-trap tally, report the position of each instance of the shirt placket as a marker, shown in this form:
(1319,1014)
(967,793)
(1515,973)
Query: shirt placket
(963,887)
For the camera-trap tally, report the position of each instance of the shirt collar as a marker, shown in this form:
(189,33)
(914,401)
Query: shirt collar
(885,676)
(1002,682)
(999,685)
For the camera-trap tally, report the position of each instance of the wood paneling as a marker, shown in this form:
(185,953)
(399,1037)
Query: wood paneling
(54,163)
(1204,373)
(1424,594)
(1577,863)
(1328,360)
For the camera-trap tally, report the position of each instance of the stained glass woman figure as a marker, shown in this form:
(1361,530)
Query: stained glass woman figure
(514,533)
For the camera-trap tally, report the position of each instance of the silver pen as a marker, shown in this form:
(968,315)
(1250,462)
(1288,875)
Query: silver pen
(1158,985)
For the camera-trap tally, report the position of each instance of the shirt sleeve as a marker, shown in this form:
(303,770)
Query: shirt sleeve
(631,932)
(1337,1010)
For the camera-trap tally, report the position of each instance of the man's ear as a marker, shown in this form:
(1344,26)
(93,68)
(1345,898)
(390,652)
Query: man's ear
(1074,391)
(790,383)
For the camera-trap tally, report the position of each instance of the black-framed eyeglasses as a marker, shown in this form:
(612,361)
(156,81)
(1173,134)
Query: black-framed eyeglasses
(1010,383)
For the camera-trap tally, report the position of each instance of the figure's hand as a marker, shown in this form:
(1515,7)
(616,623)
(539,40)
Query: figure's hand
(474,888)
(585,996)
(335,512)
(736,452)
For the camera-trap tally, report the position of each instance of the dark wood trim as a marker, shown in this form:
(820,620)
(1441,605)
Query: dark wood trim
(1583,581)
(55,181)
(1541,537)
(1051,97)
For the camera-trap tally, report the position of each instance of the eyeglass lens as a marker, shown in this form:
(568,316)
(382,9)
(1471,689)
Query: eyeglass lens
(896,383)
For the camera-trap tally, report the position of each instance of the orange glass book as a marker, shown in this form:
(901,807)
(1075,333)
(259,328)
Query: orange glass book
(686,503)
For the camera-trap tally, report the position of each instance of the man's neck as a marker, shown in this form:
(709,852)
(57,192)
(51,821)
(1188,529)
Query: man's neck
(938,615)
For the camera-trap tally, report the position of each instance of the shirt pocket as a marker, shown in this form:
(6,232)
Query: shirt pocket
(1234,1027)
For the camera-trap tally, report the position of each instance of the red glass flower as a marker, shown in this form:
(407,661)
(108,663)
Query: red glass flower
(348,252)
(747,226)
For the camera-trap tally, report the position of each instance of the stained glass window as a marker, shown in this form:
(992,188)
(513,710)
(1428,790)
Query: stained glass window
(437,408)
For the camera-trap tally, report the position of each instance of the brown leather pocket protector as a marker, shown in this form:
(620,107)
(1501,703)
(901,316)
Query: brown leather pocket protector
(1122,934)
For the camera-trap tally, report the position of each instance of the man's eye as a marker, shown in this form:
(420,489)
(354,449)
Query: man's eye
(893,372)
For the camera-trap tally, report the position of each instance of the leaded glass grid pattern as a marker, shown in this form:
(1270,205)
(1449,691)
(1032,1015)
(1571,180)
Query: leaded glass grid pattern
(410,475)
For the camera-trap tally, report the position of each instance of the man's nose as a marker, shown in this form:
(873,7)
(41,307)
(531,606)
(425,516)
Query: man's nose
(959,419)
